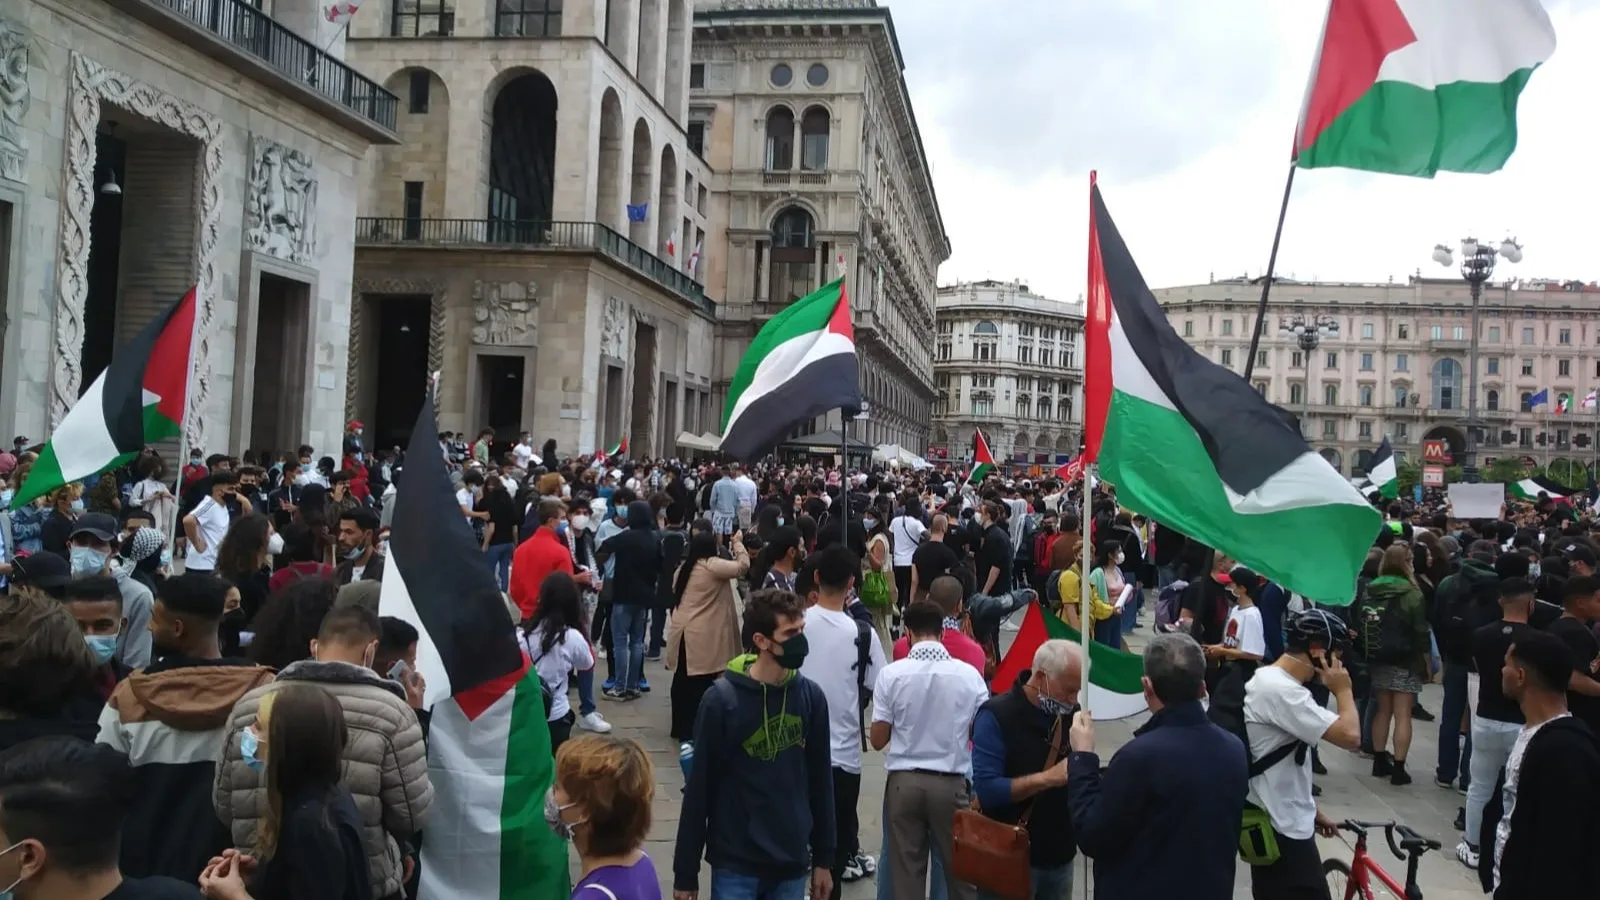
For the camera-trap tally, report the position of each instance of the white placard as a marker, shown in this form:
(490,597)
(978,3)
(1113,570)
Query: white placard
(1476,501)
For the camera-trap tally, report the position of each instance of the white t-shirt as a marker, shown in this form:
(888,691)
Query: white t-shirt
(1502,829)
(1278,709)
(464,498)
(211,518)
(523,454)
(906,532)
(831,663)
(570,653)
(929,700)
(1244,631)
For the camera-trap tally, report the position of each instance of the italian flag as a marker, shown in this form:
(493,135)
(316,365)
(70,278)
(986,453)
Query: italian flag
(139,399)
(1416,87)
(1383,474)
(1530,488)
(488,745)
(1191,444)
(1114,690)
(982,459)
(800,365)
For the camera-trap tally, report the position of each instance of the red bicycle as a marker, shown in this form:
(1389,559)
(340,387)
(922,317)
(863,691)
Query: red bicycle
(1353,880)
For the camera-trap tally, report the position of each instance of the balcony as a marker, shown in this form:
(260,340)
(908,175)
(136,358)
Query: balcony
(501,234)
(237,34)
(1452,344)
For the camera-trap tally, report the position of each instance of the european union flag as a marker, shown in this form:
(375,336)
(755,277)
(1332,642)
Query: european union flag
(638,212)
(1540,399)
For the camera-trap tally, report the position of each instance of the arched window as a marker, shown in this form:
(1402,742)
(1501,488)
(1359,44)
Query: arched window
(985,327)
(1330,395)
(1446,384)
(1527,401)
(780,140)
(522,155)
(1064,409)
(794,255)
(1044,408)
(1491,400)
(814,139)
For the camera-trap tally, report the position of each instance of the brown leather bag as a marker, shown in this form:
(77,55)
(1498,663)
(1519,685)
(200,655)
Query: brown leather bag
(993,855)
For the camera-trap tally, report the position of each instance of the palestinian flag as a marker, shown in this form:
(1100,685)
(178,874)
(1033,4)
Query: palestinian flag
(1114,690)
(1382,474)
(620,448)
(801,364)
(1530,488)
(139,399)
(488,744)
(1193,446)
(1416,87)
(982,459)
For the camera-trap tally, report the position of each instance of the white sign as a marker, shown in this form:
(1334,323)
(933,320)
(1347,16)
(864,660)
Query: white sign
(1476,501)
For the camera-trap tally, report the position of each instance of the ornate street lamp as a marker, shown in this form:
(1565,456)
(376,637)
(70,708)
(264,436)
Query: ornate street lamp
(1477,267)
(1308,332)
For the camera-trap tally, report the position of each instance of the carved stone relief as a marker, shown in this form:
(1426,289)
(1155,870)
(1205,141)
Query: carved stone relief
(281,218)
(614,329)
(433,290)
(505,314)
(92,85)
(14,98)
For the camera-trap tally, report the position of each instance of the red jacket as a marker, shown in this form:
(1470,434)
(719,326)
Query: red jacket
(535,558)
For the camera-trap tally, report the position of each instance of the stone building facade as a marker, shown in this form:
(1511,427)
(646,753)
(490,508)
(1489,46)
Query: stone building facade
(801,109)
(1393,361)
(496,244)
(1007,361)
(148,147)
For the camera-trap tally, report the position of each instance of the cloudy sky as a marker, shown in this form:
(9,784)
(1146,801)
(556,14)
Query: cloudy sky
(1188,109)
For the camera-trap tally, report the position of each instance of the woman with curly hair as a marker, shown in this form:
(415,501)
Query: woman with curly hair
(600,801)
(289,620)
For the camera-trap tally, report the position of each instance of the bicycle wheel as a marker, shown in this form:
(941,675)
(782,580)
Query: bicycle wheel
(1337,872)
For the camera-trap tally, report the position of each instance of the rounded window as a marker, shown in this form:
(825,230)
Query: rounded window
(782,75)
(817,75)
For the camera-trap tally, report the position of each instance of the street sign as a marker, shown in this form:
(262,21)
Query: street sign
(1433,476)
(1435,453)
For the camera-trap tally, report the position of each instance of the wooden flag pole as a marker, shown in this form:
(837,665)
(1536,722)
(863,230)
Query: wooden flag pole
(1272,266)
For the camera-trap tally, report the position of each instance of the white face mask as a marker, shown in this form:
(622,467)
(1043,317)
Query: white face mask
(275,543)
(581,523)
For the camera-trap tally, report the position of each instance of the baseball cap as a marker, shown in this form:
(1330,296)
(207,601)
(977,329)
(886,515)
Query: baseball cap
(46,571)
(101,525)
(1577,552)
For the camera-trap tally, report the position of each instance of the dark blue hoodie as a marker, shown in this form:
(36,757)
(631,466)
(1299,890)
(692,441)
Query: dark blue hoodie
(760,795)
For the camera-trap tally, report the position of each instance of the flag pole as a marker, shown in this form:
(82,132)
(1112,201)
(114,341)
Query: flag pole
(1272,265)
(174,525)
(844,474)
(1085,608)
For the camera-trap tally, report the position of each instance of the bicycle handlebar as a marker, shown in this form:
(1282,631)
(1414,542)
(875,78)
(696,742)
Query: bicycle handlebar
(1411,844)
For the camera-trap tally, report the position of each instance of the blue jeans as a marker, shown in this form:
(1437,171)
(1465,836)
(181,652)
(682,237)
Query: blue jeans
(1109,631)
(585,682)
(500,557)
(1165,575)
(1455,763)
(627,643)
(1048,884)
(727,885)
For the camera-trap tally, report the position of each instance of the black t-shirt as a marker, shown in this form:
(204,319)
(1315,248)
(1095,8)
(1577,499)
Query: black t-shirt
(996,553)
(1489,646)
(932,559)
(1585,652)
(503,513)
(156,887)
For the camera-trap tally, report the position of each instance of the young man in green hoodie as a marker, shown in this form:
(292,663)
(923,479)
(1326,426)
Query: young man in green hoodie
(759,800)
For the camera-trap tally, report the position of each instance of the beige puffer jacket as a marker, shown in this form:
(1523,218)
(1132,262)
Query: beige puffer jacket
(385,764)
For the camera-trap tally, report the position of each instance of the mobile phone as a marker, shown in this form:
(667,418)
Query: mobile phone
(399,671)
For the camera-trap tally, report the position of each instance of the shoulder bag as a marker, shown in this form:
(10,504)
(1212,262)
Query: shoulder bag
(993,855)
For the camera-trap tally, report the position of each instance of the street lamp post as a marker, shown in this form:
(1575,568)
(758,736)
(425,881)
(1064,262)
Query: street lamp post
(1477,267)
(1308,332)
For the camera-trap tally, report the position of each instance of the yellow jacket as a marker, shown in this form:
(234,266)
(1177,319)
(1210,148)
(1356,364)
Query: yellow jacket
(1070,587)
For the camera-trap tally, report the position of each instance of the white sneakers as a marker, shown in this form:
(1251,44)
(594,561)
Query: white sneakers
(594,722)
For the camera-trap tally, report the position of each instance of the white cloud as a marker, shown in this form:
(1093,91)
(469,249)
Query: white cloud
(1188,111)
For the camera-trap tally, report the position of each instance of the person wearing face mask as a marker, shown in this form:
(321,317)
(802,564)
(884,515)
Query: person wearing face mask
(358,546)
(207,524)
(758,803)
(600,801)
(94,537)
(169,719)
(63,802)
(96,604)
(1019,761)
(384,764)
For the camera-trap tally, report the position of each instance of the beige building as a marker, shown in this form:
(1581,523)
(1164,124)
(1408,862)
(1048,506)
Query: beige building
(148,147)
(1007,361)
(496,244)
(1393,361)
(801,110)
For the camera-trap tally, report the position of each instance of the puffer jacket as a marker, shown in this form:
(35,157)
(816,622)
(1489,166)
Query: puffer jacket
(385,764)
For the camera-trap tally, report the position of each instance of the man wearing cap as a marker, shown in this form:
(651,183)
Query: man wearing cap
(93,550)
(1580,557)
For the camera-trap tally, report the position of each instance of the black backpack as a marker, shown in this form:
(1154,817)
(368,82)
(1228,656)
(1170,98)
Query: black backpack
(1227,712)
(1382,633)
(864,636)
(1467,607)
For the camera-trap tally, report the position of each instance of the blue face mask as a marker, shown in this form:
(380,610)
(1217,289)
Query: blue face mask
(77,505)
(249,747)
(5,497)
(103,646)
(87,560)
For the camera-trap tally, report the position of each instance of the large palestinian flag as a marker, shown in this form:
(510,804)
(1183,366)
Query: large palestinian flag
(982,459)
(139,399)
(1190,444)
(1530,489)
(1384,475)
(488,744)
(1416,87)
(1114,690)
(800,365)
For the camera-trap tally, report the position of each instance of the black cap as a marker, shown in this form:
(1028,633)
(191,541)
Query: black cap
(46,571)
(101,525)
(1578,552)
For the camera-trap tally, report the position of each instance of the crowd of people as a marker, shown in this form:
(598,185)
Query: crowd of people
(243,722)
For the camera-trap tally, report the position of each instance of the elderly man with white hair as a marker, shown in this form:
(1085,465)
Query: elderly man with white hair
(1019,762)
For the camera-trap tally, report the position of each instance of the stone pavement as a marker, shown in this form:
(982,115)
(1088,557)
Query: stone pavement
(1348,791)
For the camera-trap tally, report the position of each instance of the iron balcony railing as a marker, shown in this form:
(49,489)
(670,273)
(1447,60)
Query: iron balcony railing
(523,233)
(258,34)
